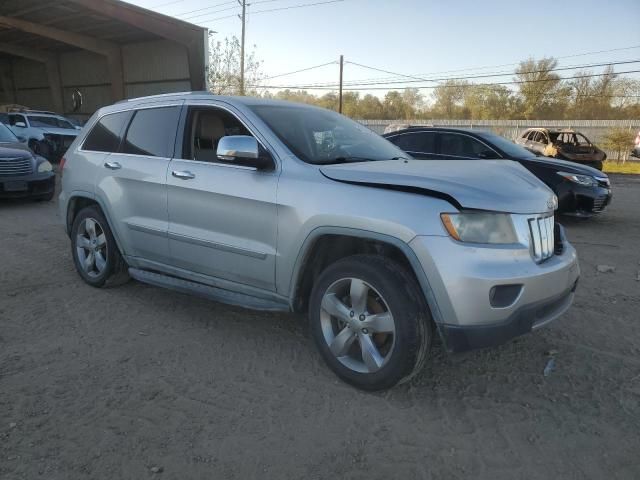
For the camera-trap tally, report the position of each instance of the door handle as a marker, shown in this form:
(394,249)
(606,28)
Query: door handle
(184,175)
(112,165)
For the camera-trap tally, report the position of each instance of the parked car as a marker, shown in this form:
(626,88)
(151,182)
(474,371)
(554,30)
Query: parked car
(279,206)
(22,173)
(563,144)
(47,134)
(636,148)
(582,191)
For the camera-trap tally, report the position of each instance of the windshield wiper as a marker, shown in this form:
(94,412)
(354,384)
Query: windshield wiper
(347,160)
(352,159)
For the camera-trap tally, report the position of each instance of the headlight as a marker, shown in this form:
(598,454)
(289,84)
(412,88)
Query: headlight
(585,180)
(44,167)
(480,227)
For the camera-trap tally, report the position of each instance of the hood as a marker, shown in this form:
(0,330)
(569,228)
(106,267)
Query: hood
(495,185)
(72,132)
(12,146)
(14,150)
(564,166)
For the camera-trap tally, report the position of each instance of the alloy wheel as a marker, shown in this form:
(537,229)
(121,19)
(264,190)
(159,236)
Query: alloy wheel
(91,247)
(357,325)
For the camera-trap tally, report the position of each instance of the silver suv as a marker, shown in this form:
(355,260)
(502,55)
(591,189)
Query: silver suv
(278,206)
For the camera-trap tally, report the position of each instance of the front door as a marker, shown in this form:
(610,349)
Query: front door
(222,217)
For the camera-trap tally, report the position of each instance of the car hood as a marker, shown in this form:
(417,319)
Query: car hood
(495,185)
(14,150)
(564,166)
(12,146)
(60,131)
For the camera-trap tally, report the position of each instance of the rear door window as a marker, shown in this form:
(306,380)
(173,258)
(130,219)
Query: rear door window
(105,136)
(416,142)
(152,132)
(462,146)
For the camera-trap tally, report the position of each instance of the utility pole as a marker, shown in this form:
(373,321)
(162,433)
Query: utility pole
(243,4)
(340,96)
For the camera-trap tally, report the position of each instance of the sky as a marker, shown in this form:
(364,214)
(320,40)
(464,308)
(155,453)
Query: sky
(420,37)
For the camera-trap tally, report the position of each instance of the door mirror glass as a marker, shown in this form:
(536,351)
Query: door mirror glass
(20,125)
(242,150)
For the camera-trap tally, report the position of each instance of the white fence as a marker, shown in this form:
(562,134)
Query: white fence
(594,130)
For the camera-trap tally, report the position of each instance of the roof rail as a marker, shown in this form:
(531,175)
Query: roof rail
(163,95)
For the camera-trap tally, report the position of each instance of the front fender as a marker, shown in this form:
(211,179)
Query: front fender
(314,235)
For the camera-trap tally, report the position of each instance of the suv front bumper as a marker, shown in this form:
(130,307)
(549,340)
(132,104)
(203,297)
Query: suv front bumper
(464,280)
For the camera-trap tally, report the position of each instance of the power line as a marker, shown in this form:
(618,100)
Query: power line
(313,85)
(468,77)
(374,81)
(301,70)
(416,78)
(203,8)
(469,85)
(168,3)
(499,66)
(207,14)
(290,7)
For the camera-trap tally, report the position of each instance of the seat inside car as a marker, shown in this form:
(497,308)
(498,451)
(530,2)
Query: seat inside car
(208,132)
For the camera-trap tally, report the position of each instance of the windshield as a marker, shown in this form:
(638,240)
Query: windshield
(6,135)
(507,146)
(37,121)
(320,136)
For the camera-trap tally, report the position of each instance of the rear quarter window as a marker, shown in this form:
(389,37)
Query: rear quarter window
(105,136)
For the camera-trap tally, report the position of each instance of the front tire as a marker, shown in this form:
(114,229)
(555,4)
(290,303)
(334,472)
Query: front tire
(94,250)
(369,322)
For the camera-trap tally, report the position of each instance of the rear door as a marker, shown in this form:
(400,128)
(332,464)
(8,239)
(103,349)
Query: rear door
(222,217)
(459,146)
(132,181)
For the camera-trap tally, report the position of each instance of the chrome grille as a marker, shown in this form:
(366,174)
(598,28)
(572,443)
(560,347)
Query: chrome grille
(542,237)
(15,166)
(598,203)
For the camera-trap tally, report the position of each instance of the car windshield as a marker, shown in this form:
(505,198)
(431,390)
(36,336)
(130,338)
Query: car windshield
(6,135)
(41,121)
(320,136)
(507,146)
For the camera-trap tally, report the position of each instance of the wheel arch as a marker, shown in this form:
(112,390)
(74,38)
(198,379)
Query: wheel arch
(325,245)
(79,200)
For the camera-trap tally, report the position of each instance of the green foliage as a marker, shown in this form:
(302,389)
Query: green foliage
(223,72)
(619,140)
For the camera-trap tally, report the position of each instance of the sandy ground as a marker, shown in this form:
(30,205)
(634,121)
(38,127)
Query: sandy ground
(138,382)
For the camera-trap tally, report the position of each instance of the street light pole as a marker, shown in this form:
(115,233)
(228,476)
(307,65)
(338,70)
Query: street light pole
(340,95)
(242,3)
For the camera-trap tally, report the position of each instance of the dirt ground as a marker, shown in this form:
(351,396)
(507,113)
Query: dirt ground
(138,382)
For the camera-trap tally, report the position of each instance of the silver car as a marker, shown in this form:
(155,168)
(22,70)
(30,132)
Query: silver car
(279,206)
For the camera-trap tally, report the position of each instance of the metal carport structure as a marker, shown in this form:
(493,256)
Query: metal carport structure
(106,50)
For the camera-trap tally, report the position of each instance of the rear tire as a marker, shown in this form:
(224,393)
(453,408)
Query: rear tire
(94,250)
(369,321)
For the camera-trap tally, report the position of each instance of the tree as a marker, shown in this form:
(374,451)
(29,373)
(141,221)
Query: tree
(223,72)
(592,96)
(448,98)
(619,140)
(540,88)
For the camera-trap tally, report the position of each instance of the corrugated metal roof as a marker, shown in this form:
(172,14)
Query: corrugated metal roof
(79,17)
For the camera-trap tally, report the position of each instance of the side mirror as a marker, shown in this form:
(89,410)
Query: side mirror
(20,125)
(242,150)
(21,138)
